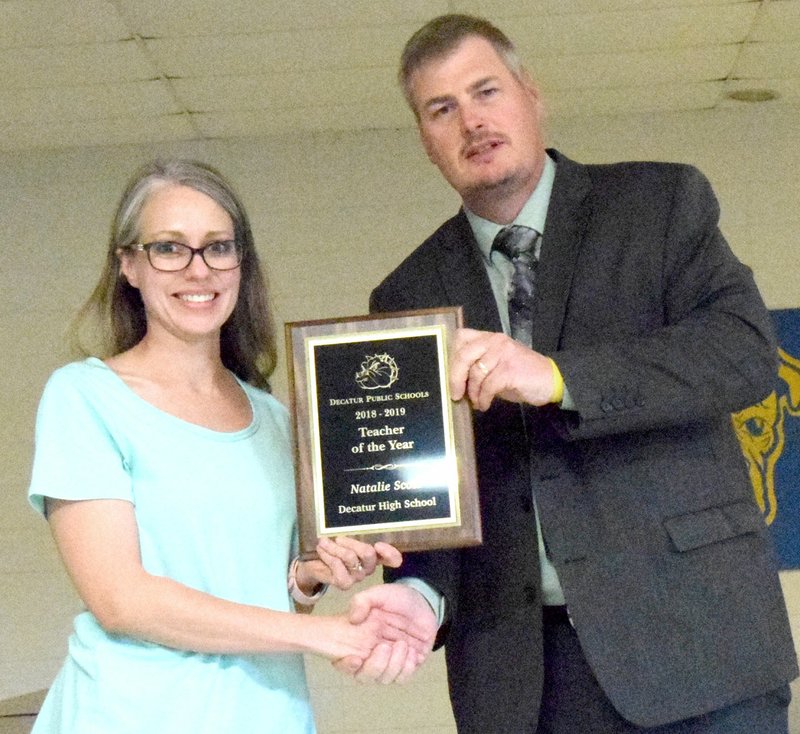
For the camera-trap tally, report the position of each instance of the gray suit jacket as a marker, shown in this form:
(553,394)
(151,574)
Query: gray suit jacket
(644,498)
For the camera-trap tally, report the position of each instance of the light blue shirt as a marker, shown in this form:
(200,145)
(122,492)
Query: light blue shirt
(215,511)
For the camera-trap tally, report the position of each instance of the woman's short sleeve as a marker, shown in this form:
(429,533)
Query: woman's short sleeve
(77,456)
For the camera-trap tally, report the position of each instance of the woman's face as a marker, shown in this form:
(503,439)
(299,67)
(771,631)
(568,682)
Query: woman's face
(195,302)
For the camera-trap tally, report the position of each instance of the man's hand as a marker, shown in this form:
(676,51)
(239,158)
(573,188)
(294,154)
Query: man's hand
(486,365)
(409,626)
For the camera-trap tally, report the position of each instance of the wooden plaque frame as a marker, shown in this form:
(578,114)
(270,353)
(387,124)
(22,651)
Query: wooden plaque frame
(381,451)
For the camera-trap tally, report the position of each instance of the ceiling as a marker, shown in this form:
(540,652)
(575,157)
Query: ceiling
(95,72)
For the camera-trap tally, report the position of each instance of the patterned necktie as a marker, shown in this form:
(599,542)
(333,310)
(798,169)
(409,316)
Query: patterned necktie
(520,245)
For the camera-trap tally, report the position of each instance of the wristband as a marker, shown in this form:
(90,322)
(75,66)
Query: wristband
(295,591)
(558,383)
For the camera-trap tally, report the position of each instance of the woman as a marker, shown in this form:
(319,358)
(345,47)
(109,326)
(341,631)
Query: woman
(165,473)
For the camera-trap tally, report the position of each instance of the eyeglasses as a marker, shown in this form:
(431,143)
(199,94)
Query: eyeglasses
(173,256)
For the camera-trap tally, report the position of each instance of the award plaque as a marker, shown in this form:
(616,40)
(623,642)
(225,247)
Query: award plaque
(382,452)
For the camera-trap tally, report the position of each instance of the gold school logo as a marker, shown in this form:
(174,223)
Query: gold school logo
(377,371)
(761,433)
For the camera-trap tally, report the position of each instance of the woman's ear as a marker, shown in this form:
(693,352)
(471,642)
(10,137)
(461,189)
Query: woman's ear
(126,267)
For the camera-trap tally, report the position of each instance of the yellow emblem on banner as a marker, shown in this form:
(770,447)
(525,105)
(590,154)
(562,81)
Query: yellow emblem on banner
(760,429)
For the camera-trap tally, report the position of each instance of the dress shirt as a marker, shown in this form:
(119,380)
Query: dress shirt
(500,270)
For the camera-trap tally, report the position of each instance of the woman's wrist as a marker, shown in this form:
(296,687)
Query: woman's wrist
(299,589)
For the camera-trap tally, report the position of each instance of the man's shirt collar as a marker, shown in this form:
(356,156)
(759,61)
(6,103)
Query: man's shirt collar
(533,213)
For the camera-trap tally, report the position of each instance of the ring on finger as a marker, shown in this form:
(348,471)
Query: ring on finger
(356,568)
(482,367)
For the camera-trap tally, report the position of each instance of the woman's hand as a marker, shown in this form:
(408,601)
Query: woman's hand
(344,562)
(336,637)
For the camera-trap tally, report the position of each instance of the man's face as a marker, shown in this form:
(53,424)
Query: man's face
(479,123)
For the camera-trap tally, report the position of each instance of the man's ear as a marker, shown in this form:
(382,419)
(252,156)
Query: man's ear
(531,87)
(425,145)
(532,90)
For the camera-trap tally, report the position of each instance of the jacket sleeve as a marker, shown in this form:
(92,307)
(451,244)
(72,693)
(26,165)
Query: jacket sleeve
(710,351)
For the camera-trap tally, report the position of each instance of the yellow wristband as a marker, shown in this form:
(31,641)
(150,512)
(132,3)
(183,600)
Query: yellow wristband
(558,384)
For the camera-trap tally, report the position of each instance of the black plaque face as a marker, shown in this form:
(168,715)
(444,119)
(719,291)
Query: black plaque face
(384,454)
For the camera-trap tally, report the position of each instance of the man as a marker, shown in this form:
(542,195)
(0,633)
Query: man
(625,582)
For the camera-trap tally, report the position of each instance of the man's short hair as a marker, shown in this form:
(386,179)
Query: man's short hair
(440,36)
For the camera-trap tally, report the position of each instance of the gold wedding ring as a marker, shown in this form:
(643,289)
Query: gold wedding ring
(482,367)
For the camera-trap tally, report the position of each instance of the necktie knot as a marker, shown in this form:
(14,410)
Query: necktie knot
(520,245)
(516,241)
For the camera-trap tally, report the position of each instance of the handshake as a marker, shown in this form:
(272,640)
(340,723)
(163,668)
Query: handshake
(388,630)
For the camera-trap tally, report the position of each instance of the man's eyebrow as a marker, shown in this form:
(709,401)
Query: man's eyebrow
(481,82)
(433,101)
(442,98)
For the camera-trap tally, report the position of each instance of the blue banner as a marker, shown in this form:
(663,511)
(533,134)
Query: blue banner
(769,434)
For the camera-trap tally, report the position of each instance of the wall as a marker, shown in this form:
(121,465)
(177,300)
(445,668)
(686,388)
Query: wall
(332,214)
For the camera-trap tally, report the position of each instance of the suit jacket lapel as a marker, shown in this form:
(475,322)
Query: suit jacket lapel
(464,275)
(567,219)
